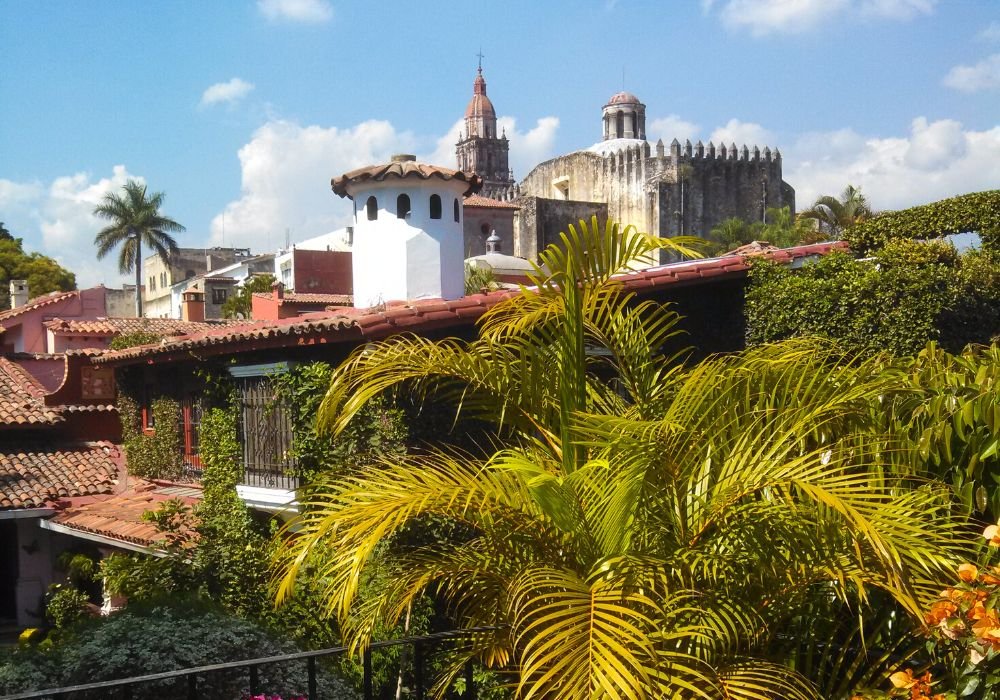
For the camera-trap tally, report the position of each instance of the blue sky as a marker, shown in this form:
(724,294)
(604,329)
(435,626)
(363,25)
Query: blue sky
(247,109)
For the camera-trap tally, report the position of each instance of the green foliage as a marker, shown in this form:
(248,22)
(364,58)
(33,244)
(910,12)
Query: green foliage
(43,274)
(975,212)
(378,431)
(65,605)
(479,278)
(156,454)
(239,305)
(646,539)
(233,555)
(161,638)
(909,294)
(780,230)
(134,339)
(833,215)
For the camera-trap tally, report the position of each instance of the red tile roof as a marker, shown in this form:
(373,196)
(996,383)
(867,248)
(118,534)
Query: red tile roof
(117,326)
(22,403)
(37,302)
(119,517)
(488,203)
(349,324)
(37,475)
(307,298)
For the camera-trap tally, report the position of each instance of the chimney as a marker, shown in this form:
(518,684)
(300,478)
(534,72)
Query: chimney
(18,293)
(193,305)
(277,290)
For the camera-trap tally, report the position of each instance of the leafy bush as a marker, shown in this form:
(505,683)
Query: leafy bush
(134,339)
(65,605)
(154,455)
(156,639)
(975,212)
(378,430)
(908,294)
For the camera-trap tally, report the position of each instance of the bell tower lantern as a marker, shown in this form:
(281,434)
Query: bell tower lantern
(480,149)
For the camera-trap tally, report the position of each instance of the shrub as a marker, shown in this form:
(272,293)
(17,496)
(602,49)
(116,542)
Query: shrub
(909,293)
(161,638)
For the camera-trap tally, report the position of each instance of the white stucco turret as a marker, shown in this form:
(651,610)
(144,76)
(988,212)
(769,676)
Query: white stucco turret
(408,234)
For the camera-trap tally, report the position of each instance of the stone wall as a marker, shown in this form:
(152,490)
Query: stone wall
(540,221)
(480,221)
(684,189)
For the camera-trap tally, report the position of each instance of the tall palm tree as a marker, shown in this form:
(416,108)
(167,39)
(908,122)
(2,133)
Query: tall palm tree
(834,215)
(135,220)
(634,539)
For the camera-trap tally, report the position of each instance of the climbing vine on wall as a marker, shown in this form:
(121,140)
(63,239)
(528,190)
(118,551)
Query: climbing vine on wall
(155,454)
(976,212)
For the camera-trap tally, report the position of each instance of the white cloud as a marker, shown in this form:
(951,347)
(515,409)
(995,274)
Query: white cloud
(762,17)
(231,91)
(990,33)
(286,173)
(287,168)
(740,133)
(984,75)
(896,9)
(933,161)
(527,148)
(308,11)
(58,220)
(671,127)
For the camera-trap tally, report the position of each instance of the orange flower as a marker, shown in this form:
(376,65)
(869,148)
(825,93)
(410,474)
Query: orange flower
(903,679)
(940,610)
(968,572)
(992,533)
(987,629)
(977,611)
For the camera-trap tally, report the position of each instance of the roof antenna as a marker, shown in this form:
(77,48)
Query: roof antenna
(623,78)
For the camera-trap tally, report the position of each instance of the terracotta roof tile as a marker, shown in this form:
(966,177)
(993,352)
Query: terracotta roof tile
(21,399)
(119,517)
(37,302)
(36,475)
(401,169)
(307,298)
(117,326)
(476,200)
(351,324)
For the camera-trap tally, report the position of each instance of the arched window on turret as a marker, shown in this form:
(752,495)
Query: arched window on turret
(620,125)
(403,206)
(435,206)
(371,208)
(456,209)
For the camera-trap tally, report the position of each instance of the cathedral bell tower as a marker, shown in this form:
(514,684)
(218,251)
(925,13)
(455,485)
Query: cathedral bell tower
(480,149)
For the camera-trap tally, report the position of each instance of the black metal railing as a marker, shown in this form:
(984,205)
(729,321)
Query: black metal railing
(186,681)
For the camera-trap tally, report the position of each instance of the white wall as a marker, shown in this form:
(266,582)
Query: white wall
(405,259)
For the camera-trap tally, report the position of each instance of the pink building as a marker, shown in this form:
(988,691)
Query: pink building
(24,327)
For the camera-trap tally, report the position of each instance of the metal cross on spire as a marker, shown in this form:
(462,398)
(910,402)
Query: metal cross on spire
(481,57)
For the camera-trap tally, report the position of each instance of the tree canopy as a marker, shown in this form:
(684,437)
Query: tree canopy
(240,304)
(43,273)
(135,221)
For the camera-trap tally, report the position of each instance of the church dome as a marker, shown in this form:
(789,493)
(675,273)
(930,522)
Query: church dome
(480,105)
(624,98)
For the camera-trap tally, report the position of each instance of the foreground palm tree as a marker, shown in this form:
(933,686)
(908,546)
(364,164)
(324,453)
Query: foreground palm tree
(135,220)
(641,538)
(834,215)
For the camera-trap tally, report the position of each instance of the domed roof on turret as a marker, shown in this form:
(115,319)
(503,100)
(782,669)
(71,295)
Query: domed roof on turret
(479,105)
(623,98)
